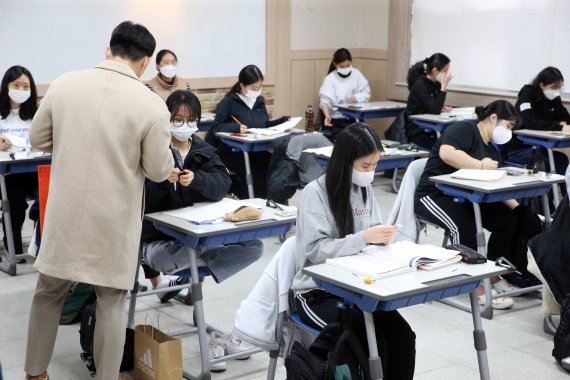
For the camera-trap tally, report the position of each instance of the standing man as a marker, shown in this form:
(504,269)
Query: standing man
(107,132)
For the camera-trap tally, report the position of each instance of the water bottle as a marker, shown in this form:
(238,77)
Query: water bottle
(309,119)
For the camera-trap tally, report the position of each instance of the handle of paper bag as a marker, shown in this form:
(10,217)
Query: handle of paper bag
(158,325)
(151,325)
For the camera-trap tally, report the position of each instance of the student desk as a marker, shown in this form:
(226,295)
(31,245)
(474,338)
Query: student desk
(394,158)
(436,123)
(206,122)
(10,166)
(198,238)
(508,187)
(548,140)
(249,143)
(371,110)
(406,290)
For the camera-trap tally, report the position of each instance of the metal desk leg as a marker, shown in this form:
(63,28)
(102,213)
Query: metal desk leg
(394,181)
(10,266)
(546,207)
(374,360)
(553,170)
(200,320)
(248,176)
(479,338)
(134,294)
(487,311)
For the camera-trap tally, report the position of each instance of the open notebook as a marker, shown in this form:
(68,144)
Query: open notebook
(281,128)
(378,261)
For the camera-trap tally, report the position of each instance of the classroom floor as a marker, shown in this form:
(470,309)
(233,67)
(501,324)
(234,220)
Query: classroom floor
(517,346)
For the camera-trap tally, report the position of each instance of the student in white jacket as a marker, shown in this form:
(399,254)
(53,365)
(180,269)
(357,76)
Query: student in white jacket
(338,216)
(344,84)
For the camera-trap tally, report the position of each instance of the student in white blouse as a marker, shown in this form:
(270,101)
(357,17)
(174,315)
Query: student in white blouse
(18,105)
(344,84)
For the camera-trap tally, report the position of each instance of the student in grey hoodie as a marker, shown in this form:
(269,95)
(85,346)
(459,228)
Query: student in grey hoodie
(338,216)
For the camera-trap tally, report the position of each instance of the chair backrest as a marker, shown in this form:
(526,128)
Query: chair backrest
(403,209)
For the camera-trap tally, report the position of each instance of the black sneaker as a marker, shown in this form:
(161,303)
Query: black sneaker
(169,282)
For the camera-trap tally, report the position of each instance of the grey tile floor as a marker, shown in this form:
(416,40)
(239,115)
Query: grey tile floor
(517,346)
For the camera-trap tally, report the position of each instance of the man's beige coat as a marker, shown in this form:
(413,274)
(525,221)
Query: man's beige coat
(107,132)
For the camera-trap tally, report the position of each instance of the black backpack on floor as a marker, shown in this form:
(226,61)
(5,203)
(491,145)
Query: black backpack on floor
(86,334)
(335,354)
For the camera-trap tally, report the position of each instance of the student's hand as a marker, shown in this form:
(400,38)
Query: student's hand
(186,178)
(242,129)
(328,121)
(352,99)
(5,143)
(380,234)
(446,109)
(173,177)
(566,128)
(447,77)
(489,164)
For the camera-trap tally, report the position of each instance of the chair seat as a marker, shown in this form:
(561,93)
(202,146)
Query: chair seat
(296,318)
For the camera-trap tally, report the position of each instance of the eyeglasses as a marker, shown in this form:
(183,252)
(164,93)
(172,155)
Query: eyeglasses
(180,123)
(503,262)
(273,204)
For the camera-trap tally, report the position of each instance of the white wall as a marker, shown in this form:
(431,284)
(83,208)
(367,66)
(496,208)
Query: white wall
(331,24)
(212,38)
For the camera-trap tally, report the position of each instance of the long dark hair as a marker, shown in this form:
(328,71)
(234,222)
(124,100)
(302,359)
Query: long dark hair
(339,56)
(29,107)
(547,76)
(248,75)
(503,109)
(183,98)
(355,141)
(438,60)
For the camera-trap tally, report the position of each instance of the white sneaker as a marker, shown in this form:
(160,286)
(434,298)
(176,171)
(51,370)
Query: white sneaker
(500,303)
(216,351)
(167,282)
(503,286)
(233,345)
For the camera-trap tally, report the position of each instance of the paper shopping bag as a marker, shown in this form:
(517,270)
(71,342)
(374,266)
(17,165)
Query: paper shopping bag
(157,355)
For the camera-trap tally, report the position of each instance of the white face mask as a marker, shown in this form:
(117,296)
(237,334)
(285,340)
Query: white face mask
(344,70)
(168,71)
(362,179)
(184,132)
(551,94)
(501,135)
(253,94)
(439,77)
(19,96)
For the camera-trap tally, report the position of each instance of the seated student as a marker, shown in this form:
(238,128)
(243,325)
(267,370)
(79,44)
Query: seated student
(198,176)
(539,107)
(243,107)
(338,215)
(166,81)
(467,145)
(18,105)
(427,82)
(343,84)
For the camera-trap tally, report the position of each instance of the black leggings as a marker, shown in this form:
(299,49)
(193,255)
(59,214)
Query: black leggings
(259,163)
(19,187)
(394,336)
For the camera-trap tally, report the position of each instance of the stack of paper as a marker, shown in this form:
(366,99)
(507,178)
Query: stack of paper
(462,113)
(281,128)
(324,151)
(207,213)
(479,174)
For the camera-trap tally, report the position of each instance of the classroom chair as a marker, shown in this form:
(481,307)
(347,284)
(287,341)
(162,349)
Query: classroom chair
(264,318)
(403,211)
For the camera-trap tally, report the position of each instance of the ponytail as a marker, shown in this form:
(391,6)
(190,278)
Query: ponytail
(248,75)
(339,56)
(437,60)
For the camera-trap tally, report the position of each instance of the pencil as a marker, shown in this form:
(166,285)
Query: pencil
(237,121)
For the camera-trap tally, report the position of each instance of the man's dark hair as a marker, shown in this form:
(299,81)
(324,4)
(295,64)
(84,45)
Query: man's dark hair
(132,41)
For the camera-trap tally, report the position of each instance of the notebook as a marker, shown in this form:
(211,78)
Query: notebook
(378,261)
(207,212)
(479,174)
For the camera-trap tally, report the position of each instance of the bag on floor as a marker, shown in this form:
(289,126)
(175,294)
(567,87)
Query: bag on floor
(80,295)
(158,356)
(336,354)
(86,335)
